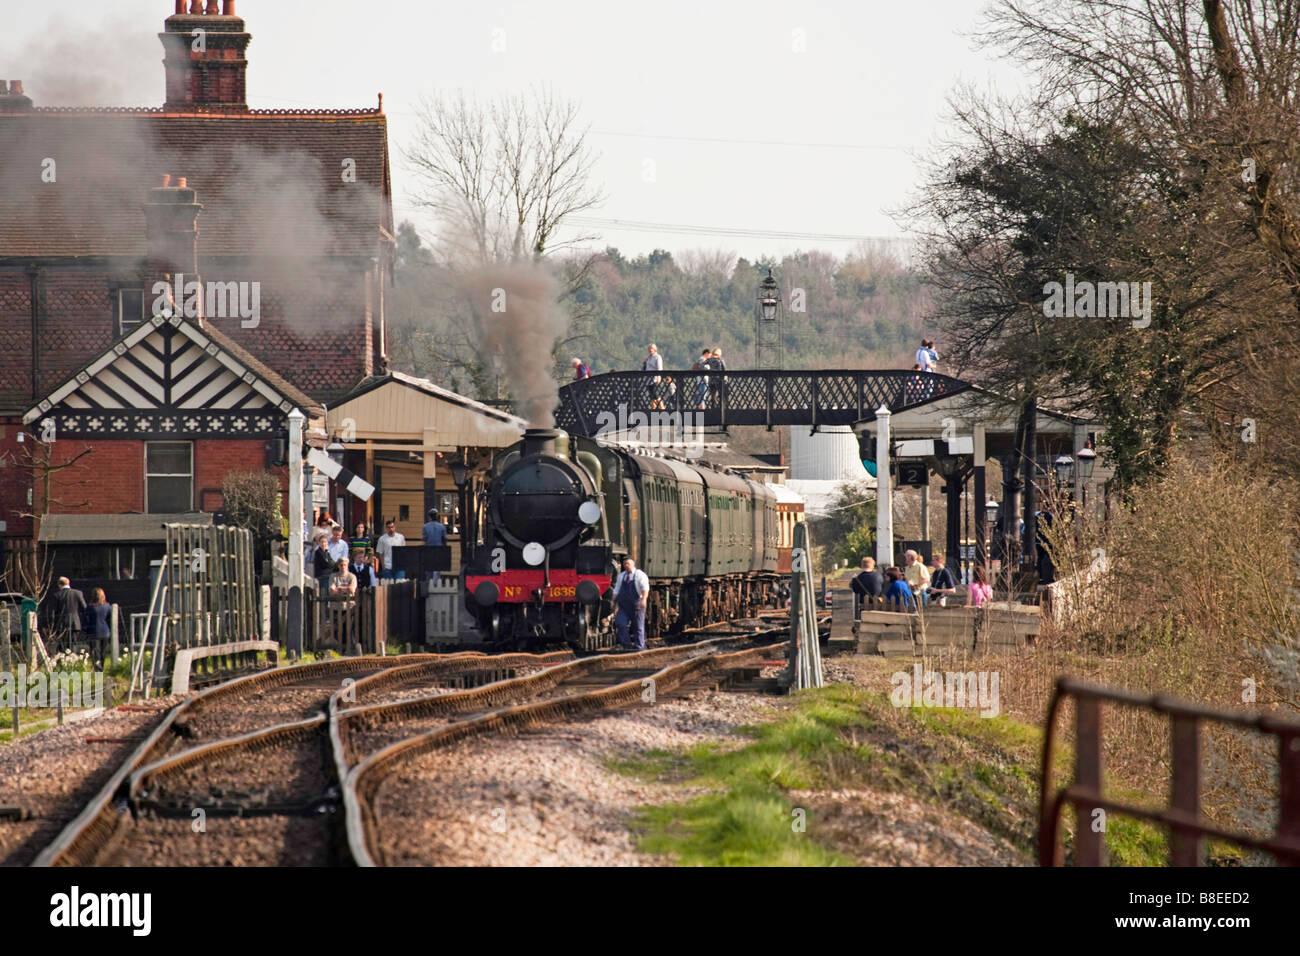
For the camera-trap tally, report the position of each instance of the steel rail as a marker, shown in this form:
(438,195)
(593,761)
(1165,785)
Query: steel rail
(98,825)
(363,781)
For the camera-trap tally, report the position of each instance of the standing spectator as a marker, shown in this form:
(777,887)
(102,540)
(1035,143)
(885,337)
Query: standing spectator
(718,382)
(868,582)
(320,558)
(323,524)
(926,357)
(631,591)
(669,392)
(98,626)
(361,537)
(338,545)
(343,585)
(898,595)
(580,370)
(434,535)
(702,364)
(390,539)
(69,605)
(942,581)
(917,575)
(981,592)
(360,567)
(434,532)
(654,362)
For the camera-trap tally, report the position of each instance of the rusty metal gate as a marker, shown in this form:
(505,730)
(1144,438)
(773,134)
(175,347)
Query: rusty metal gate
(1188,830)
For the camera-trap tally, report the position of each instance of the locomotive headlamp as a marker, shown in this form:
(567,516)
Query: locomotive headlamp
(459,473)
(534,553)
(589,512)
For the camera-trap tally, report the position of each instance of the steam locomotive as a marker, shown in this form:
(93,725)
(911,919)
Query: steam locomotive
(562,511)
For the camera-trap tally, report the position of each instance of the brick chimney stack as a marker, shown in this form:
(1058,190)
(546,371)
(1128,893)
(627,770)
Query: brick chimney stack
(171,214)
(12,99)
(204,58)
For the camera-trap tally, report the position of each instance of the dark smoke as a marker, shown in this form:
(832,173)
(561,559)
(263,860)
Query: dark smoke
(521,332)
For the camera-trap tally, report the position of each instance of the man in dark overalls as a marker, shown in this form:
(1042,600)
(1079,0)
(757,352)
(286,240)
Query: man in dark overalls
(631,590)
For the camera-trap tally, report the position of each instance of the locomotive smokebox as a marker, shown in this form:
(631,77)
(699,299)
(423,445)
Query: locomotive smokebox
(545,441)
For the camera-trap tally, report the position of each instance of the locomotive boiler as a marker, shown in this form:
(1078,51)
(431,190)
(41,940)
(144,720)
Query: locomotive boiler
(561,512)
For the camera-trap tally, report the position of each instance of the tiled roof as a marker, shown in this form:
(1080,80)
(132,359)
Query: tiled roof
(271,182)
(310,407)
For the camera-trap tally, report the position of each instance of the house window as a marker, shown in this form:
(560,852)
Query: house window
(130,310)
(168,477)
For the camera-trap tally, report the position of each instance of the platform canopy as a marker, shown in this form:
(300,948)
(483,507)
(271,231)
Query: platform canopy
(398,408)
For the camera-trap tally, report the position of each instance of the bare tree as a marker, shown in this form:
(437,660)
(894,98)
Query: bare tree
(28,569)
(502,178)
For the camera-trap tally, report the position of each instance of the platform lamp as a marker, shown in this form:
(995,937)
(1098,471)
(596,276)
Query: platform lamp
(335,450)
(1064,467)
(1086,458)
(991,514)
(460,476)
(768,340)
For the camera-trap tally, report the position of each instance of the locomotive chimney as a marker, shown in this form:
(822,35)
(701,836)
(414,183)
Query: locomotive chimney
(541,441)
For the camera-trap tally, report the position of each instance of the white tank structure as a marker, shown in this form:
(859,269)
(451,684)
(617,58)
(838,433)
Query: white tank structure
(821,463)
(831,454)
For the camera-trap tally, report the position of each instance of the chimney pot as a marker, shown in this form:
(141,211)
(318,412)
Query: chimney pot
(16,87)
(180,182)
(196,8)
(212,8)
(228,8)
(180,8)
(166,180)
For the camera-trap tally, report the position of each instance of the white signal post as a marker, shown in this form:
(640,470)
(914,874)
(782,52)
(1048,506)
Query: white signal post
(297,516)
(884,496)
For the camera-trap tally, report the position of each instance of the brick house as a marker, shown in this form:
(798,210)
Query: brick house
(174,280)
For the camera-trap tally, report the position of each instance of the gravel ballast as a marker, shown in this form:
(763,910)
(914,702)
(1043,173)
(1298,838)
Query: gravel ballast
(53,774)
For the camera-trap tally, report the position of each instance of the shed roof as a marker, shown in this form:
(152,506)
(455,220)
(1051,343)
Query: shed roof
(399,407)
(113,529)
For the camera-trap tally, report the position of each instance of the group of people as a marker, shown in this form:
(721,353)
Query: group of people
(661,393)
(919,385)
(75,620)
(915,584)
(342,565)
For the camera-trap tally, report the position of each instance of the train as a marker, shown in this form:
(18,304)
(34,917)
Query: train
(561,511)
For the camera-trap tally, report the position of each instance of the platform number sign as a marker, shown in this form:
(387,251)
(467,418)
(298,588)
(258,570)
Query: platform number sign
(913,474)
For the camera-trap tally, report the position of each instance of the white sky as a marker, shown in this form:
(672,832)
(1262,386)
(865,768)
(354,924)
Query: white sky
(744,131)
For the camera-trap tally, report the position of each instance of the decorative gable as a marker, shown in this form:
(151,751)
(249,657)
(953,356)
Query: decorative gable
(169,379)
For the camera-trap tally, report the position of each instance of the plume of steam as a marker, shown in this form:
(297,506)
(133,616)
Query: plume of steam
(516,320)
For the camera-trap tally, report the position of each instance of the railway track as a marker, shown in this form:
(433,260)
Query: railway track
(254,771)
(249,755)
(378,748)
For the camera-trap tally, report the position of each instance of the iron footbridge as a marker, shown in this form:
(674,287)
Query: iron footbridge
(718,400)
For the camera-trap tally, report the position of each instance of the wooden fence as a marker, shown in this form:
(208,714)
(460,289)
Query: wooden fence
(364,624)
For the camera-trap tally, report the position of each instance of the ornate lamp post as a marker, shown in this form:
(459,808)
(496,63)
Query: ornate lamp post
(768,340)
